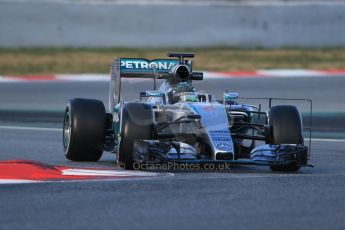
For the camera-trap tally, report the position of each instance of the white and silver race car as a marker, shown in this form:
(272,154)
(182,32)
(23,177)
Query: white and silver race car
(176,124)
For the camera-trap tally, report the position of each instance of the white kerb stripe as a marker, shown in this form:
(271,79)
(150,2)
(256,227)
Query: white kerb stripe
(17,181)
(110,173)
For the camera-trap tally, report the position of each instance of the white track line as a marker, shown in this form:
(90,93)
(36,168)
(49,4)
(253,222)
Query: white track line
(325,140)
(31,128)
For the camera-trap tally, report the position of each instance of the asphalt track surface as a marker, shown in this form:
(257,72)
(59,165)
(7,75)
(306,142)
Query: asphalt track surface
(240,198)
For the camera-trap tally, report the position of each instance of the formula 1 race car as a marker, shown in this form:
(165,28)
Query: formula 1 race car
(178,124)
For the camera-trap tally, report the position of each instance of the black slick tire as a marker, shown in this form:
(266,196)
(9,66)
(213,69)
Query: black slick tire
(137,124)
(84,129)
(285,128)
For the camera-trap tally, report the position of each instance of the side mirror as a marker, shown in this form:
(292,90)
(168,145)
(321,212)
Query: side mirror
(152,94)
(230,96)
(147,94)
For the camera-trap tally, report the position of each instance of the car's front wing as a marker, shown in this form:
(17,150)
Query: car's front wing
(148,151)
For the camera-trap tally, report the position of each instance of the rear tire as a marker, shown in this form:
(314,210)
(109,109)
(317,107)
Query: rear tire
(137,124)
(84,130)
(285,128)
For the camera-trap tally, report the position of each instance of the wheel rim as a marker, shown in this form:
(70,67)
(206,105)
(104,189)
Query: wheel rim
(67,131)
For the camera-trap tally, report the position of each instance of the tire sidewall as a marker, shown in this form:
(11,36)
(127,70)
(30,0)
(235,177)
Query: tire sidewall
(285,125)
(87,129)
(137,122)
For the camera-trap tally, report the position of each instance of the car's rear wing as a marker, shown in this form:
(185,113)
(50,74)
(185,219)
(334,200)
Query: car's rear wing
(154,69)
(138,68)
(144,68)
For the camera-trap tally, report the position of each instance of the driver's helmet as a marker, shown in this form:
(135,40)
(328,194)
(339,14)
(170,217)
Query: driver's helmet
(188,97)
(184,87)
(184,92)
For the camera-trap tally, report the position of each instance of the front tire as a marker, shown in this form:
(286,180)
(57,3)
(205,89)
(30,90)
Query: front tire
(285,125)
(84,130)
(137,124)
